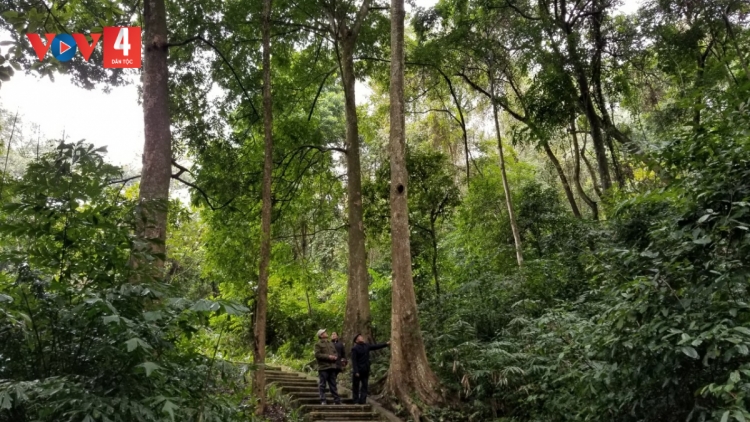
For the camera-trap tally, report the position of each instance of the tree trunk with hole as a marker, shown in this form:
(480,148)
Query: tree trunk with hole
(409,375)
(357,314)
(259,343)
(157,149)
(506,185)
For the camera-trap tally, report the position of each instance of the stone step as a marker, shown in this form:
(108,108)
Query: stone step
(309,408)
(295,383)
(342,416)
(287,378)
(315,395)
(282,373)
(316,400)
(298,381)
(294,389)
(287,389)
(284,376)
(301,401)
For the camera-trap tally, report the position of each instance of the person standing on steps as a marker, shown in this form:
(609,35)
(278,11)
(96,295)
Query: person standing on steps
(361,367)
(340,353)
(326,357)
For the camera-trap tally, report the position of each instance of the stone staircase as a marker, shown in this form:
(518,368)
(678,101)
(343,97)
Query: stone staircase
(304,394)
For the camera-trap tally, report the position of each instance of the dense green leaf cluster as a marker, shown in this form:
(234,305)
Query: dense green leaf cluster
(654,328)
(85,335)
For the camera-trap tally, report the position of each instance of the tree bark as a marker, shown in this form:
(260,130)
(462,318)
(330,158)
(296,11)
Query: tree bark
(357,314)
(259,349)
(563,179)
(590,202)
(409,374)
(157,149)
(506,185)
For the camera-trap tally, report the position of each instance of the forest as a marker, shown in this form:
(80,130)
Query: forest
(543,205)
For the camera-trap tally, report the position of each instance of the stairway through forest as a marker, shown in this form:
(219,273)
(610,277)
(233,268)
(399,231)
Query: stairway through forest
(304,394)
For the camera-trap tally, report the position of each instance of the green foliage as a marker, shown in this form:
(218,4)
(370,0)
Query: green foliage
(433,196)
(659,332)
(640,317)
(82,341)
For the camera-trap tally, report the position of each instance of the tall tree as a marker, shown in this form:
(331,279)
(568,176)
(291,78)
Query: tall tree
(157,148)
(261,301)
(506,185)
(345,32)
(409,373)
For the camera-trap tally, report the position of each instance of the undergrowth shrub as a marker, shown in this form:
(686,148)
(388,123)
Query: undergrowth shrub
(85,336)
(655,325)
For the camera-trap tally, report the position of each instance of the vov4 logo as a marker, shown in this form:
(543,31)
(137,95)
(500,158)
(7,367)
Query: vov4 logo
(122,46)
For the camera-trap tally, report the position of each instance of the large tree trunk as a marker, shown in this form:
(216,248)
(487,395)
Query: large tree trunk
(506,186)
(563,179)
(259,345)
(157,149)
(357,316)
(409,375)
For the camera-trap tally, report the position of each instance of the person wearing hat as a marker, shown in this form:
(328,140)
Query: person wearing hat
(361,367)
(326,357)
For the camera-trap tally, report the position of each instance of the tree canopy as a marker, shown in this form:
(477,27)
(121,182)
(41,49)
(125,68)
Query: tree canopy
(544,205)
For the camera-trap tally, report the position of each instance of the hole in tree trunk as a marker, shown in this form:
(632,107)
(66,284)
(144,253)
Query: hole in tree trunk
(400,188)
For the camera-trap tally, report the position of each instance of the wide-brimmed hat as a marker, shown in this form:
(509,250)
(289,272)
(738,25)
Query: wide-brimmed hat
(321,331)
(354,340)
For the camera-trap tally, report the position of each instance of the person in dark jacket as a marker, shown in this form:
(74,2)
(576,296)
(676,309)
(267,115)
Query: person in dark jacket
(341,360)
(325,355)
(361,367)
